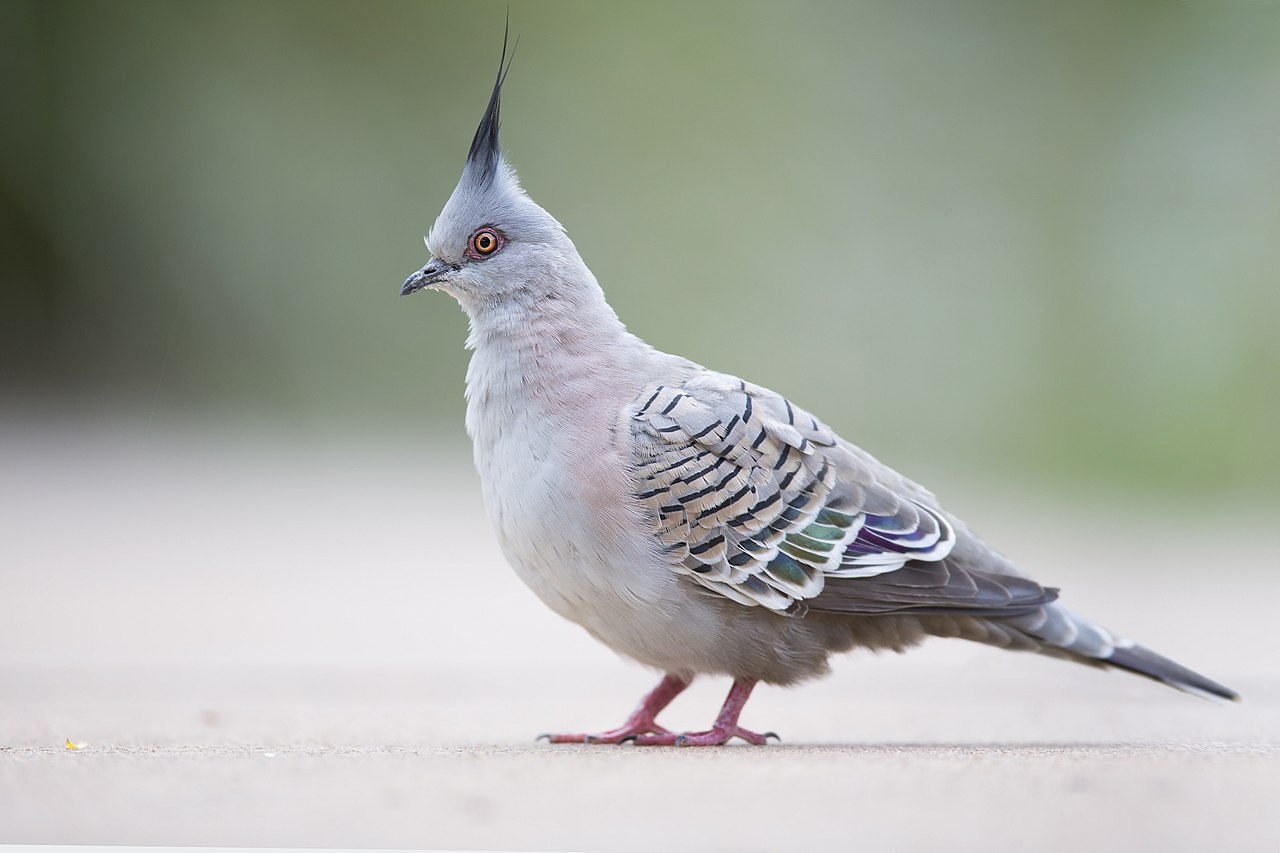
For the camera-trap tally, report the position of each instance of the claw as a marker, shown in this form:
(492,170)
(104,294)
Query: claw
(546,735)
(640,723)
(642,730)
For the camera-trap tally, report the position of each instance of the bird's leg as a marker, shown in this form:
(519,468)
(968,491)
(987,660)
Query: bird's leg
(726,726)
(641,721)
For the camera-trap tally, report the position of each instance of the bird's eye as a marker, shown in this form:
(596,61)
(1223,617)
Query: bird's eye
(485,242)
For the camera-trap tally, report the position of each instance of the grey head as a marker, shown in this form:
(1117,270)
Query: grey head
(491,242)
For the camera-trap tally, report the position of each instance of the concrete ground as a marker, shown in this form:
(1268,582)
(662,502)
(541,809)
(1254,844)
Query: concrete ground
(316,643)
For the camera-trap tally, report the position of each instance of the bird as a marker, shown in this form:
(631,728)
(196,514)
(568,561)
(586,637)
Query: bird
(688,519)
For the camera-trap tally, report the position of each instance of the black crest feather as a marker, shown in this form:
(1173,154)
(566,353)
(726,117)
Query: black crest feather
(485,151)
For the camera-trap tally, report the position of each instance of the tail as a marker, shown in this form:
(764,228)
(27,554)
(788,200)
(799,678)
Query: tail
(1143,661)
(1059,632)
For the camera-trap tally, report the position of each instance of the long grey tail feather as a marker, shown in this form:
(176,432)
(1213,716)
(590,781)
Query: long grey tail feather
(1143,661)
(1060,630)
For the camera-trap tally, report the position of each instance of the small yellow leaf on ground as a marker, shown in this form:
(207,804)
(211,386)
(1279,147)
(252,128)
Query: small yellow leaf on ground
(71,745)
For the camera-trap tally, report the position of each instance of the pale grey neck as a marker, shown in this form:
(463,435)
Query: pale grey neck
(556,356)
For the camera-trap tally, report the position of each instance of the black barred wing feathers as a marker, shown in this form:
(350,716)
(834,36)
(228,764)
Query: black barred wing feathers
(758,501)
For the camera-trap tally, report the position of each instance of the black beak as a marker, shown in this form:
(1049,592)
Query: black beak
(433,272)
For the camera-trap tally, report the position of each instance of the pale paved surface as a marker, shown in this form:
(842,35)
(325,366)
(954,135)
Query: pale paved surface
(310,646)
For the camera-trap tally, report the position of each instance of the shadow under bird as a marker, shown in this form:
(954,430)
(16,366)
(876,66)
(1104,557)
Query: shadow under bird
(691,520)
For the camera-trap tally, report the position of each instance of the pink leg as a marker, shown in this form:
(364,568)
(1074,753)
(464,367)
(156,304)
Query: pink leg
(641,721)
(725,729)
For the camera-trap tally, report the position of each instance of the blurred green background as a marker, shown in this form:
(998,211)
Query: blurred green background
(1035,241)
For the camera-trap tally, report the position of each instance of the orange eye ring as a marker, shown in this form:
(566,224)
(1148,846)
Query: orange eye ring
(485,242)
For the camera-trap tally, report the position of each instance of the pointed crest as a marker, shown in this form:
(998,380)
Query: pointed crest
(485,151)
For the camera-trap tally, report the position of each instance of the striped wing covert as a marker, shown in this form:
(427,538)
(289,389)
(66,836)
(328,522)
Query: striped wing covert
(760,502)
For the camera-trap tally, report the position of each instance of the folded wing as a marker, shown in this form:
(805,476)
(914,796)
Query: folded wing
(758,501)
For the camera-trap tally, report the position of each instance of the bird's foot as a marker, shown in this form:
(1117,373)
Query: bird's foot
(630,730)
(715,736)
(642,729)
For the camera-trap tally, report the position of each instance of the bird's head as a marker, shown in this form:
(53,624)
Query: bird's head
(491,241)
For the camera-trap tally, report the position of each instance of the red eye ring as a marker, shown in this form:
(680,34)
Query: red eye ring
(483,243)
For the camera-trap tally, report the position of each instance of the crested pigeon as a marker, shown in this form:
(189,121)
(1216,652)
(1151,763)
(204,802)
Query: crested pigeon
(691,520)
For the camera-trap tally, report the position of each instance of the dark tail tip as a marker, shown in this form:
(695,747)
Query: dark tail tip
(1143,661)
